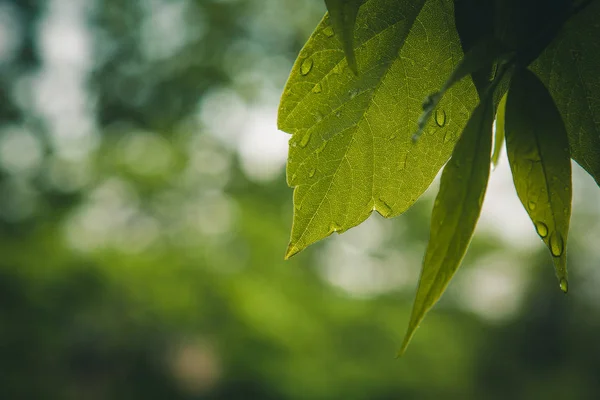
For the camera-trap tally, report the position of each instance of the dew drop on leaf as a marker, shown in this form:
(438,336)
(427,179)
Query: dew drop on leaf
(564,285)
(312,172)
(317,88)
(321,148)
(305,139)
(541,229)
(557,244)
(306,66)
(334,227)
(447,137)
(402,163)
(440,117)
(531,205)
(328,31)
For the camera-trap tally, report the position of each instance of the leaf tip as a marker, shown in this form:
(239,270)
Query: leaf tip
(564,285)
(352,63)
(291,251)
(407,338)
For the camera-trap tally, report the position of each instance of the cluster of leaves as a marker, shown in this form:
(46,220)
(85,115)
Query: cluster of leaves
(364,139)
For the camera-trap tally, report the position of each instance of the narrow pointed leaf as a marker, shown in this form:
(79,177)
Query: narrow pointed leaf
(499,133)
(569,69)
(351,150)
(455,212)
(538,152)
(343,19)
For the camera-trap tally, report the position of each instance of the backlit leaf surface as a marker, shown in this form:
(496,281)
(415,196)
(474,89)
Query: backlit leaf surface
(538,152)
(351,151)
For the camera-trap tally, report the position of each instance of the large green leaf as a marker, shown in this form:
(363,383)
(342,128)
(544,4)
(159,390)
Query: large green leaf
(455,212)
(343,15)
(538,152)
(569,69)
(351,151)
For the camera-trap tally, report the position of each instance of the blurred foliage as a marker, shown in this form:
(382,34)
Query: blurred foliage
(142,234)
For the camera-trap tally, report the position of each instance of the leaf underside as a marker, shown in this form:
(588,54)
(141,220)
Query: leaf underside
(538,153)
(455,212)
(351,151)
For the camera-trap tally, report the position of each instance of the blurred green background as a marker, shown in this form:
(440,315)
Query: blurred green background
(144,216)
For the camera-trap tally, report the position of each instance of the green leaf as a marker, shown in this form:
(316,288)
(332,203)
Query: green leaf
(569,69)
(455,212)
(343,18)
(538,152)
(351,151)
(499,134)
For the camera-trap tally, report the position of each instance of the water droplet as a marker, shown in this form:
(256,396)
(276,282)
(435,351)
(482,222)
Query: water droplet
(383,208)
(531,205)
(440,117)
(352,93)
(334,227)
(305,139)
(312,172)
(541,229)
(321,148)
(402,163)
(448,137)
(557,245)
(317,88)
(328,31)
(306,66)
(564,285)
